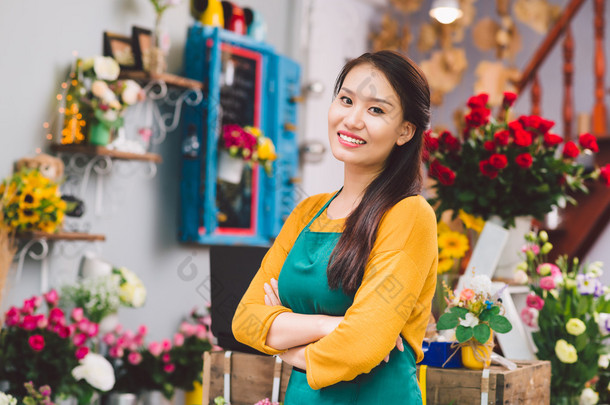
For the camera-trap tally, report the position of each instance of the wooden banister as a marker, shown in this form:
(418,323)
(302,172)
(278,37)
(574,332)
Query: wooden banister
(568,72)
(549,42)
(536,96)
(599,109)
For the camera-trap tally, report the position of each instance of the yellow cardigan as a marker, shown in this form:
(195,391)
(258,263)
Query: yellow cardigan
(395,295)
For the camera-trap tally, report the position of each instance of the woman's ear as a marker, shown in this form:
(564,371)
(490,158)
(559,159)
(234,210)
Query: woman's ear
(408,130)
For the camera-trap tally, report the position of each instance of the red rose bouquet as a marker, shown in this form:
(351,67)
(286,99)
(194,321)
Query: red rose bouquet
(503,168)
(45,348)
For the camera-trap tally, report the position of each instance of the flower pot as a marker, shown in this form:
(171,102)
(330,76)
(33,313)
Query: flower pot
(91,266)
(476,356)
(154,398)
(194,397)
(511,254)
(120,398)
(99,134)
(230,168)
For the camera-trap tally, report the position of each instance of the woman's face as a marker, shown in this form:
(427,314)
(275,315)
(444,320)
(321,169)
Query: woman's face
(365,120)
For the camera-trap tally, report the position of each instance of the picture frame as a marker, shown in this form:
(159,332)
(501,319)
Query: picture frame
(120,47)
(142,43)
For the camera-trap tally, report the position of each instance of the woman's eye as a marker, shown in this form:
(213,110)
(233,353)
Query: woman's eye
(377,110)
(346,100)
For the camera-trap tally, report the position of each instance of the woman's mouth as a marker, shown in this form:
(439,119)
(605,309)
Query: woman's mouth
(350,139)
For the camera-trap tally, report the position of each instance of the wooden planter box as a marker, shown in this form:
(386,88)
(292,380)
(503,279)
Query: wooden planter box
(530,383)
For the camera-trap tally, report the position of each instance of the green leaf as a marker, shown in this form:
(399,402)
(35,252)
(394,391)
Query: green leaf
(482,333)
(467,195)
(463,333)
(488,313)
(448,320)
(459,311)
(500,324)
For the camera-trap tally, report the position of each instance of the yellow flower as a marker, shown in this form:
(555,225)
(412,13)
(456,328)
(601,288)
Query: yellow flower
(453,244)
(254,131)
(575,327)
(442,227)
(471,221)
(28,217)
(444,265)
(266,150)
(565,352)
(48,227)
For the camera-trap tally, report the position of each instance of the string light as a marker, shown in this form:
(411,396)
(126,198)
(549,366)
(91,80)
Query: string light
(38,150)
(445,11)
(59,97)
(45,125)
(64,85)
(49,136)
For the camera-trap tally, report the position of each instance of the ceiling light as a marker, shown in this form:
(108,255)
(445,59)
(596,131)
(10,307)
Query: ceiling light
(445,11)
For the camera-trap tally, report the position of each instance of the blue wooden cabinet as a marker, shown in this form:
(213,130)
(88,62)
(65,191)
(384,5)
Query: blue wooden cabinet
(246,83)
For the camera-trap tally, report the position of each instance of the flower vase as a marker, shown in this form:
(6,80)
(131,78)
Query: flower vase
(194,397)
(230,168)
(121,398)
(99,133)
(476,356)
(154,397)
(510,256)
(157,62)
(108,323)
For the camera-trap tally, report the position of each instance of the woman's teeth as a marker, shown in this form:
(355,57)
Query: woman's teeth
(351,140)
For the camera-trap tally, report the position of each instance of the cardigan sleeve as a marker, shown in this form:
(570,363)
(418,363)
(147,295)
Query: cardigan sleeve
(253,318)
(390,293)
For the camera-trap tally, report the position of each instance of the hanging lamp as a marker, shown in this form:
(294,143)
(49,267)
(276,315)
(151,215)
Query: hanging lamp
(445,11)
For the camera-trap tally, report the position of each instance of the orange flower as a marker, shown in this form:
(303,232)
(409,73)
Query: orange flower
(466,295)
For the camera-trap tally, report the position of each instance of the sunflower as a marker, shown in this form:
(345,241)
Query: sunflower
(453,244)
(472,221)
(444,265)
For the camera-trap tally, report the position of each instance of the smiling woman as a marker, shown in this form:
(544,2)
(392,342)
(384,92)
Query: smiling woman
(351,276)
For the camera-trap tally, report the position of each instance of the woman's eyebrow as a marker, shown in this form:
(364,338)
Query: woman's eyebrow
(379,100)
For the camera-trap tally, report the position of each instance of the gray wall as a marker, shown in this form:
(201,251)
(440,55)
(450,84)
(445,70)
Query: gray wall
(140,215)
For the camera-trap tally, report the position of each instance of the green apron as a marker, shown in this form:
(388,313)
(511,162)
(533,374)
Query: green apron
(303,287)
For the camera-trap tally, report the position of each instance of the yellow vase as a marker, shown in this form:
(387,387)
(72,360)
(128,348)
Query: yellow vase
(213,15)
(483,351)
(194,397)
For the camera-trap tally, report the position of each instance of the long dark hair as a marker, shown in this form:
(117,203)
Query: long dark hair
(400,178)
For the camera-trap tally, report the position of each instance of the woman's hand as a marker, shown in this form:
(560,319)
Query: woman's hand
(272,294)
(295,357)
(399,345)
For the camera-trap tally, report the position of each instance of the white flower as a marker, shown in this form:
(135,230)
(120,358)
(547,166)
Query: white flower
(106,68)
(470,321)
(481,285)
(594,270)
(130,93)
(588,397)
(6,399)
(96,370)
(520,277)
(133,292)
(604,361)
(99,88)
(603,321)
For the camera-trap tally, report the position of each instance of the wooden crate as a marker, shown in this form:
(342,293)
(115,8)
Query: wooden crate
(530,383)
(251,377)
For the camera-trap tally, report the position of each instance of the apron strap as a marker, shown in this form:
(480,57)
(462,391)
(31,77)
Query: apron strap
(323,208)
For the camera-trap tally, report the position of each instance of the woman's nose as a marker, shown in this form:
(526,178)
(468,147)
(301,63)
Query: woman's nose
(354,118)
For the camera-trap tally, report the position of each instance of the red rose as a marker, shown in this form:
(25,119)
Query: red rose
(524,160)
(523,138)
(502,137)
(489,146)
(552,139)
(452,143)
(478,101)
(515,126)
(570,150)
(477,117)
(443,174)
(509,99)
(81,352)
(425,155)
(604,174)
(531,121)
(498,161)
(545,125)
(29,322)
(36,342)
(430,141)
(487,169)
(588,141)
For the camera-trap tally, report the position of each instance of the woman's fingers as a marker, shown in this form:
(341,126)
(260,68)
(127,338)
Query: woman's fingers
(387,358)
(399,344)
(270,293)
(275,289)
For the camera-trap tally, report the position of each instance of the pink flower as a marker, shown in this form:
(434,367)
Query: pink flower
(534,248)
(187,328)
(207,320)
(122,341)
(81,352)
(142,330)
(155,348)
(92,329)
(201,332)
(79,339)
(36,342)
(63,332)
(534,301)
(129,335)
(30,305)
(169,368)
(178,339)
(77,314)
(134,358)
(56,316)
(109,339)
(166,358)
(29,322)
(466,295)
(166,344)
(118,329)
(52,298)
(529,316)
(116,352)
(547,283)
(12,317)
(42,322)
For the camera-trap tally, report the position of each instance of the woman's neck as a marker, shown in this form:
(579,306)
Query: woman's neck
(355,183)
